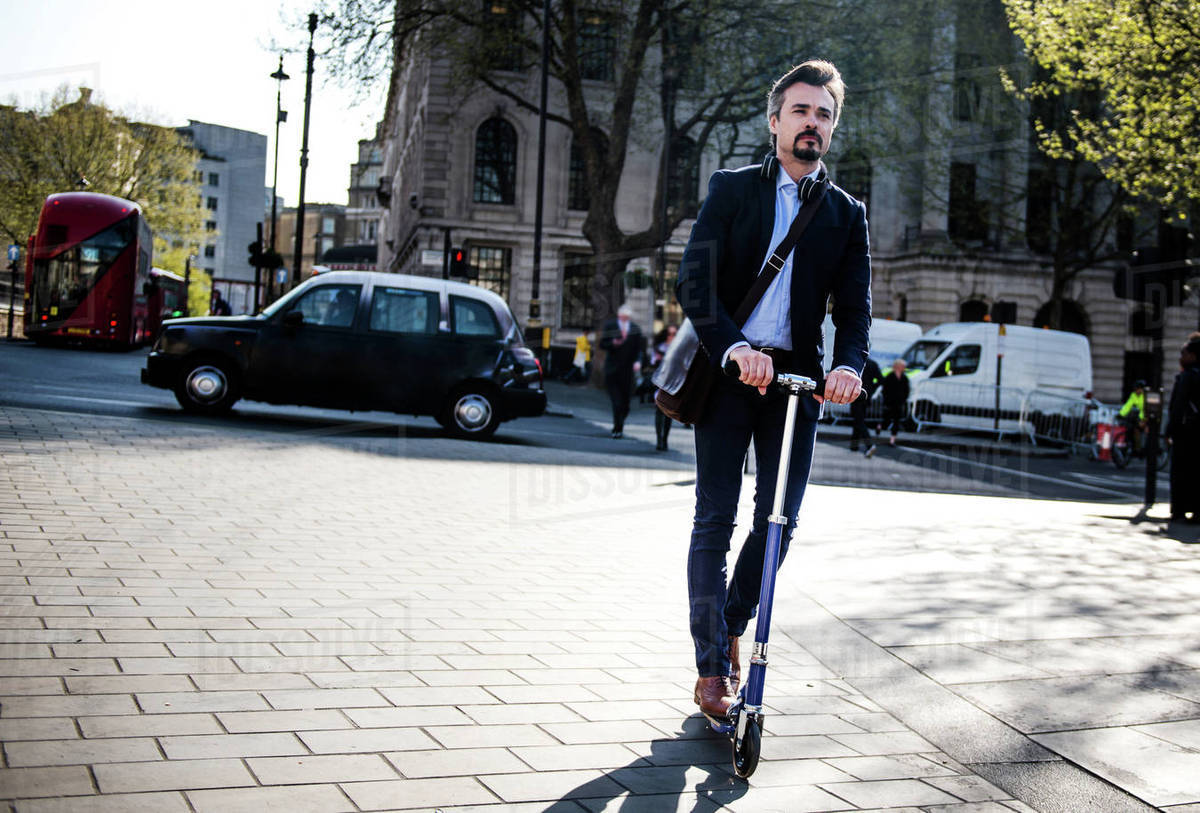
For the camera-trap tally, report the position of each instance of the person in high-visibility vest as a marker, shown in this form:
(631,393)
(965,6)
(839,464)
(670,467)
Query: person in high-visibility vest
(1133,416)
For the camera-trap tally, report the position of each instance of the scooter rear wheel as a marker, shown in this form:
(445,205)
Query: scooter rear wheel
(746,750)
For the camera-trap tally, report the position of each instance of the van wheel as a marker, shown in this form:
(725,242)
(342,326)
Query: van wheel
(927,412)
(207,386)
(471,412)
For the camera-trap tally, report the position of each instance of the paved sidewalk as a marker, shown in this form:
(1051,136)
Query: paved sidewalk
(225,619)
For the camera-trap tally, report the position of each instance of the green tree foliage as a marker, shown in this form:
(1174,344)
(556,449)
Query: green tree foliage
(49,149)
(1140,62)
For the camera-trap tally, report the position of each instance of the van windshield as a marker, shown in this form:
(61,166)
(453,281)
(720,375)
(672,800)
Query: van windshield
(923,353)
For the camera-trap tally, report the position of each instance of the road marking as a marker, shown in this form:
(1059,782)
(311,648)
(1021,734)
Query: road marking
(1054,480)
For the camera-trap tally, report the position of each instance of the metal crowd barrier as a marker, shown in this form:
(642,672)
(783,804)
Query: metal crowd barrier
(1059,418)
(944,402)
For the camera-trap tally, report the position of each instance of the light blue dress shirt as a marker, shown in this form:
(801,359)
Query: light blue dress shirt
(770,323)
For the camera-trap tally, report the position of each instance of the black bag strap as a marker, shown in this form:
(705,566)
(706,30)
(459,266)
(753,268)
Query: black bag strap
(776,261)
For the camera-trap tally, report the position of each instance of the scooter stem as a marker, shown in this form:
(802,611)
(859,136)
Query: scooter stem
(785,456)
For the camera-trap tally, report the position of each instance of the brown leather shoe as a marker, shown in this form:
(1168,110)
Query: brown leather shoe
(714,696)
(735,664)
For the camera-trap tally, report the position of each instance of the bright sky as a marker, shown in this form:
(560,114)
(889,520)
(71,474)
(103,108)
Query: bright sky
(167,61)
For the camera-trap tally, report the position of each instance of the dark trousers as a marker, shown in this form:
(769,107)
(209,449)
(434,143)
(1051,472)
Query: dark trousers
(662,427)
(893,418)
(619,385)
(858,412)
(1185,476)
(735,416)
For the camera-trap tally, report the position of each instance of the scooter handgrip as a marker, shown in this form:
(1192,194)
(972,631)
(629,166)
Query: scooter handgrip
(732,369)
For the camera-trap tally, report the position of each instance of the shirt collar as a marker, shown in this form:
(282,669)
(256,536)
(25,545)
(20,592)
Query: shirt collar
(784,180)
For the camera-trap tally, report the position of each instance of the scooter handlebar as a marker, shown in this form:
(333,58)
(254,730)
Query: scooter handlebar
(787,381)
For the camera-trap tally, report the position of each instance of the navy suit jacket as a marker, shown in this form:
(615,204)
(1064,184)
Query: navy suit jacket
(728,246)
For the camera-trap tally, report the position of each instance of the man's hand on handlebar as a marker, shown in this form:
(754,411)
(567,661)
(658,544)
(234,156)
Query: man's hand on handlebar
(757,369)
(841,387)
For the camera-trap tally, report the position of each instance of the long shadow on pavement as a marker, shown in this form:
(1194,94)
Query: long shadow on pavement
(694,764)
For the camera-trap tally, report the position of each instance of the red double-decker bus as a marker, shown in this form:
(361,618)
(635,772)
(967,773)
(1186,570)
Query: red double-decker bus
(88,278)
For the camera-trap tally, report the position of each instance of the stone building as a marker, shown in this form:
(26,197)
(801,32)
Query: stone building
(363,211)
(324,229)
(231,169)
(950,202)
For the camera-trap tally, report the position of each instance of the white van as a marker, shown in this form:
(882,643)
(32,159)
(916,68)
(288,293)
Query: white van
(955,367)
(889,339)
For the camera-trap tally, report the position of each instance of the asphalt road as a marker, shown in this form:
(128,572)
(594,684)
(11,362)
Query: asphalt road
(575,431)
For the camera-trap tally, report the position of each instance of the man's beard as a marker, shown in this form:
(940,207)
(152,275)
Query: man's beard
(806,153)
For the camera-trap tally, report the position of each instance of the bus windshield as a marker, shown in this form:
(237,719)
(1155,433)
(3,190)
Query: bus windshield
(63,281)
(923,353)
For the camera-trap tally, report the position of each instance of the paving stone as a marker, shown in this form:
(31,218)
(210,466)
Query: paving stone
(289,799)
(255,682)
(500,736)
(968,788)
(20,783)
(416,715)
(459,762)
(901,766)
(37,728)
(407,794)
(542,694)
(616,731)
(128,684)
(549,786)
(175,666)
(1057,704)
(109,803)
(80,752)
(148,725)
(324,698)
(889,792)
(1184,733)
(572,757)
(364,740)
(66,705)
(10,686)
(521,713)
(673,779)
(959,663)
(801,799)
(182,702)
(323,768)
(969,807)
(381,681)
(131,777)
(685,802)
(231,745)
(1158,772)
(898,742)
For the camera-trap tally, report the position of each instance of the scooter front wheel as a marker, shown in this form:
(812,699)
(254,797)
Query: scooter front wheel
(746,748)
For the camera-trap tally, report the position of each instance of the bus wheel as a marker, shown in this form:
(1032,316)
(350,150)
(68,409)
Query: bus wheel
(207,387)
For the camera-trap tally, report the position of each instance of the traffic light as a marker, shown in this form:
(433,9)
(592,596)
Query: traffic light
(458,263)
(256,254)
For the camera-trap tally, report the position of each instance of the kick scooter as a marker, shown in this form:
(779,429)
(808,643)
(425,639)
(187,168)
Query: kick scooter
(745,720)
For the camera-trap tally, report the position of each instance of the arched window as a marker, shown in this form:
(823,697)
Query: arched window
(854,175)
(579,193)
(973,310)
(496,162)
(683,181)
(1072,317)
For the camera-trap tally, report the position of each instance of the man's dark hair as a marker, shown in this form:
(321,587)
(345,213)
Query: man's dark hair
(815,72)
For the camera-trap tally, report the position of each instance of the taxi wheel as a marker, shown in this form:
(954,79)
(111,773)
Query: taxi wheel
(207,386)
(471,412)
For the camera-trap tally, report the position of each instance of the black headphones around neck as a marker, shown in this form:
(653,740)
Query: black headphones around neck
(808,187)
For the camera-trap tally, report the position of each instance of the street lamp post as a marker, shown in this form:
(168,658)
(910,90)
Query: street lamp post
(280,116)
(299,253)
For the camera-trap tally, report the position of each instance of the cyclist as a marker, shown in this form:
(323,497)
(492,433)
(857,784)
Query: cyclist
(1133,416)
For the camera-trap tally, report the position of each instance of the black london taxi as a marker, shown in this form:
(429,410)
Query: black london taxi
(360,340)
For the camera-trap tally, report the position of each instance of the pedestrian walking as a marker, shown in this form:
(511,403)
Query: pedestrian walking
(858,410)
(581,364)
(662,424)
(624,345)
(1183,433)
(746,216)
(895,400)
